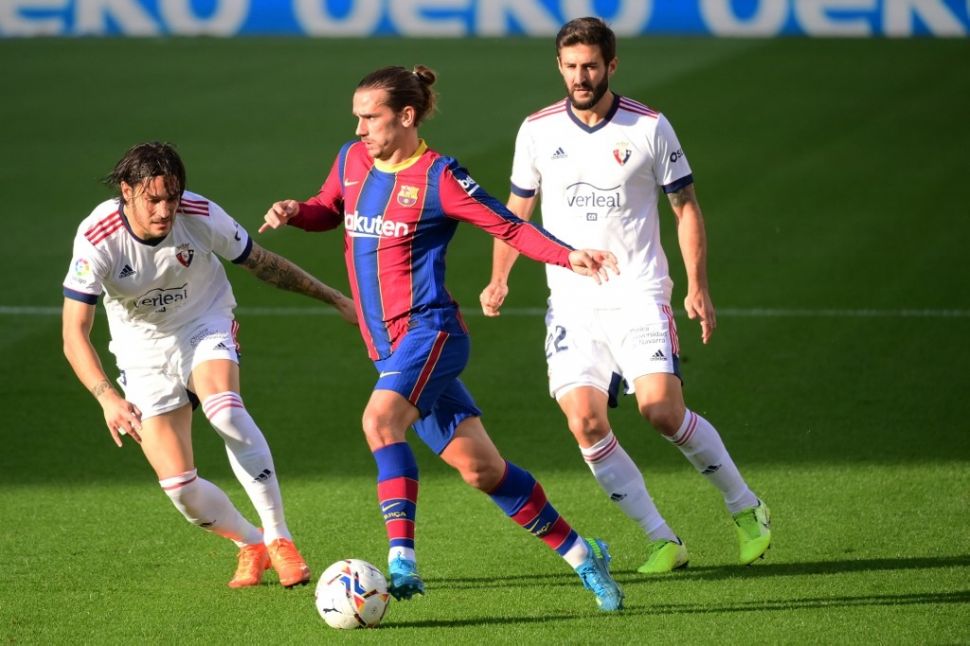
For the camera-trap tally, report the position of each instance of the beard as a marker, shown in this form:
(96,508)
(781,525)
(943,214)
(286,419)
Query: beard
(598,92)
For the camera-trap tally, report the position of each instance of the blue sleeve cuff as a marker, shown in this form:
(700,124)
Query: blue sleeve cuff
(523,192)
(678,184)
(245,254)
(90,299)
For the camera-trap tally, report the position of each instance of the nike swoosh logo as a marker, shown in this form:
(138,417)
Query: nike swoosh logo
(389,373)
(389,506)
(351,182)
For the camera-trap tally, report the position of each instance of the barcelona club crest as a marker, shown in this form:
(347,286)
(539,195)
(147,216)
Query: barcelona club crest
(408,195)
(185,254)
(622,153)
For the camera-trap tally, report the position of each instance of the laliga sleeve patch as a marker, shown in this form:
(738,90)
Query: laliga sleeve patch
(82,269)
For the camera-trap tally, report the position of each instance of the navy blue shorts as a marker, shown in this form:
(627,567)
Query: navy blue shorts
(424,370)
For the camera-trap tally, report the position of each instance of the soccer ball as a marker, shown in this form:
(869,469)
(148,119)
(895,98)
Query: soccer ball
(352,594)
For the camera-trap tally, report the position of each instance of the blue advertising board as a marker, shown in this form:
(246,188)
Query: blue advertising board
(487,18)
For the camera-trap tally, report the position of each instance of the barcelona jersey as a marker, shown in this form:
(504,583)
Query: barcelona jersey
(398,220)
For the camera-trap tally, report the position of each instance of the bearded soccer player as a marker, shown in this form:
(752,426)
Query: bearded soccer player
(153,252)
(400,203)
(599,161)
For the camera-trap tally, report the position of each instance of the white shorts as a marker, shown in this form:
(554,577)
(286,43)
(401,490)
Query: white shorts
(155,372)
(605,348)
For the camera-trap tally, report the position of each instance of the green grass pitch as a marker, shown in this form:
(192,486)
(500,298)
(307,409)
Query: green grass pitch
(833,179)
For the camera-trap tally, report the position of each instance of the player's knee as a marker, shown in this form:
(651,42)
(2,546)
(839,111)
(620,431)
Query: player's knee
(587,427)
(481,474)
(663,416)
(379,428)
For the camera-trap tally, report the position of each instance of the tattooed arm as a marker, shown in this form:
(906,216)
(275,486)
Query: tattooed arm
(693,248)
(280,272)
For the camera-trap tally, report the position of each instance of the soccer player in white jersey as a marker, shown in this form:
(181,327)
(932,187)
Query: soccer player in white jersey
(599,161)
(154,253)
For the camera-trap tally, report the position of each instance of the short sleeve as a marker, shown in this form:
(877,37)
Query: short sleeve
(670,164)
(84,280)
(229,239)
(525,177)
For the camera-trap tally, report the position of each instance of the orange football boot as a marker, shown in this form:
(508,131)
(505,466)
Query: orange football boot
(253,560)
(288,563)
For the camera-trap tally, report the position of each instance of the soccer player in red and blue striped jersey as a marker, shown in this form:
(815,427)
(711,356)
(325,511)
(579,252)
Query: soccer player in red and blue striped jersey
(400,203)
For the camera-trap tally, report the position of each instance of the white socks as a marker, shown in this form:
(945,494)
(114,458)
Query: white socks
(576,555)
(250,458)
(702,446)
(406,553)
(623,483)
(206,505)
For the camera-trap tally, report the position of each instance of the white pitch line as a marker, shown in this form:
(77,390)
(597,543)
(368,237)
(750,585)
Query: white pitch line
(841,313)
(727,312)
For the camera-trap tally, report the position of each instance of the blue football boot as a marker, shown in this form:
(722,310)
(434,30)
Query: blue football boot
(405,582)
(595,573)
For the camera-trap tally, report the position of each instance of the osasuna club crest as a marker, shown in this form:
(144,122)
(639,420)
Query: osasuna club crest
(185,254)
(408,195)
(622,153)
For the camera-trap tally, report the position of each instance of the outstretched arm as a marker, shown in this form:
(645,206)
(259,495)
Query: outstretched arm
(463,199)
(121,416)
(276,270)
(503,258)
(693,247)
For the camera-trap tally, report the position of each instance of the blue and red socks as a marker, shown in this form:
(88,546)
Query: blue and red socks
(397,493)
(522,498)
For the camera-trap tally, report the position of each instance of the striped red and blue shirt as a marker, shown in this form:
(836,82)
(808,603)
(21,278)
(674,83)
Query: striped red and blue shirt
(398,220)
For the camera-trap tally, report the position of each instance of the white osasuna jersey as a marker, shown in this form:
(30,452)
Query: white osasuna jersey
(599,188)
(153,289)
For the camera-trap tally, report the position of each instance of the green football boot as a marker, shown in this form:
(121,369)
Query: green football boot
(754,532)
(664,556)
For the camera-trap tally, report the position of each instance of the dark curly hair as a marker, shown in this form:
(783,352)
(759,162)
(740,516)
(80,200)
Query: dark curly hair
(145,161)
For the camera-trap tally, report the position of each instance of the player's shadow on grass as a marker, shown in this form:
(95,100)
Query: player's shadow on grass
(503,620)
(712,572)
(769,569)
(804,603)
(631,580)
(667,609)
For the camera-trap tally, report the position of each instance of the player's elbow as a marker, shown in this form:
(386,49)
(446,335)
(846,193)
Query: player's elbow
(73,338)
(69,346)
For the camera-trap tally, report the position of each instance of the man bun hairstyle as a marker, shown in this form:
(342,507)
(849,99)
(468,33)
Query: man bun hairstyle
(405,88)
(588,31)
(147,160)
